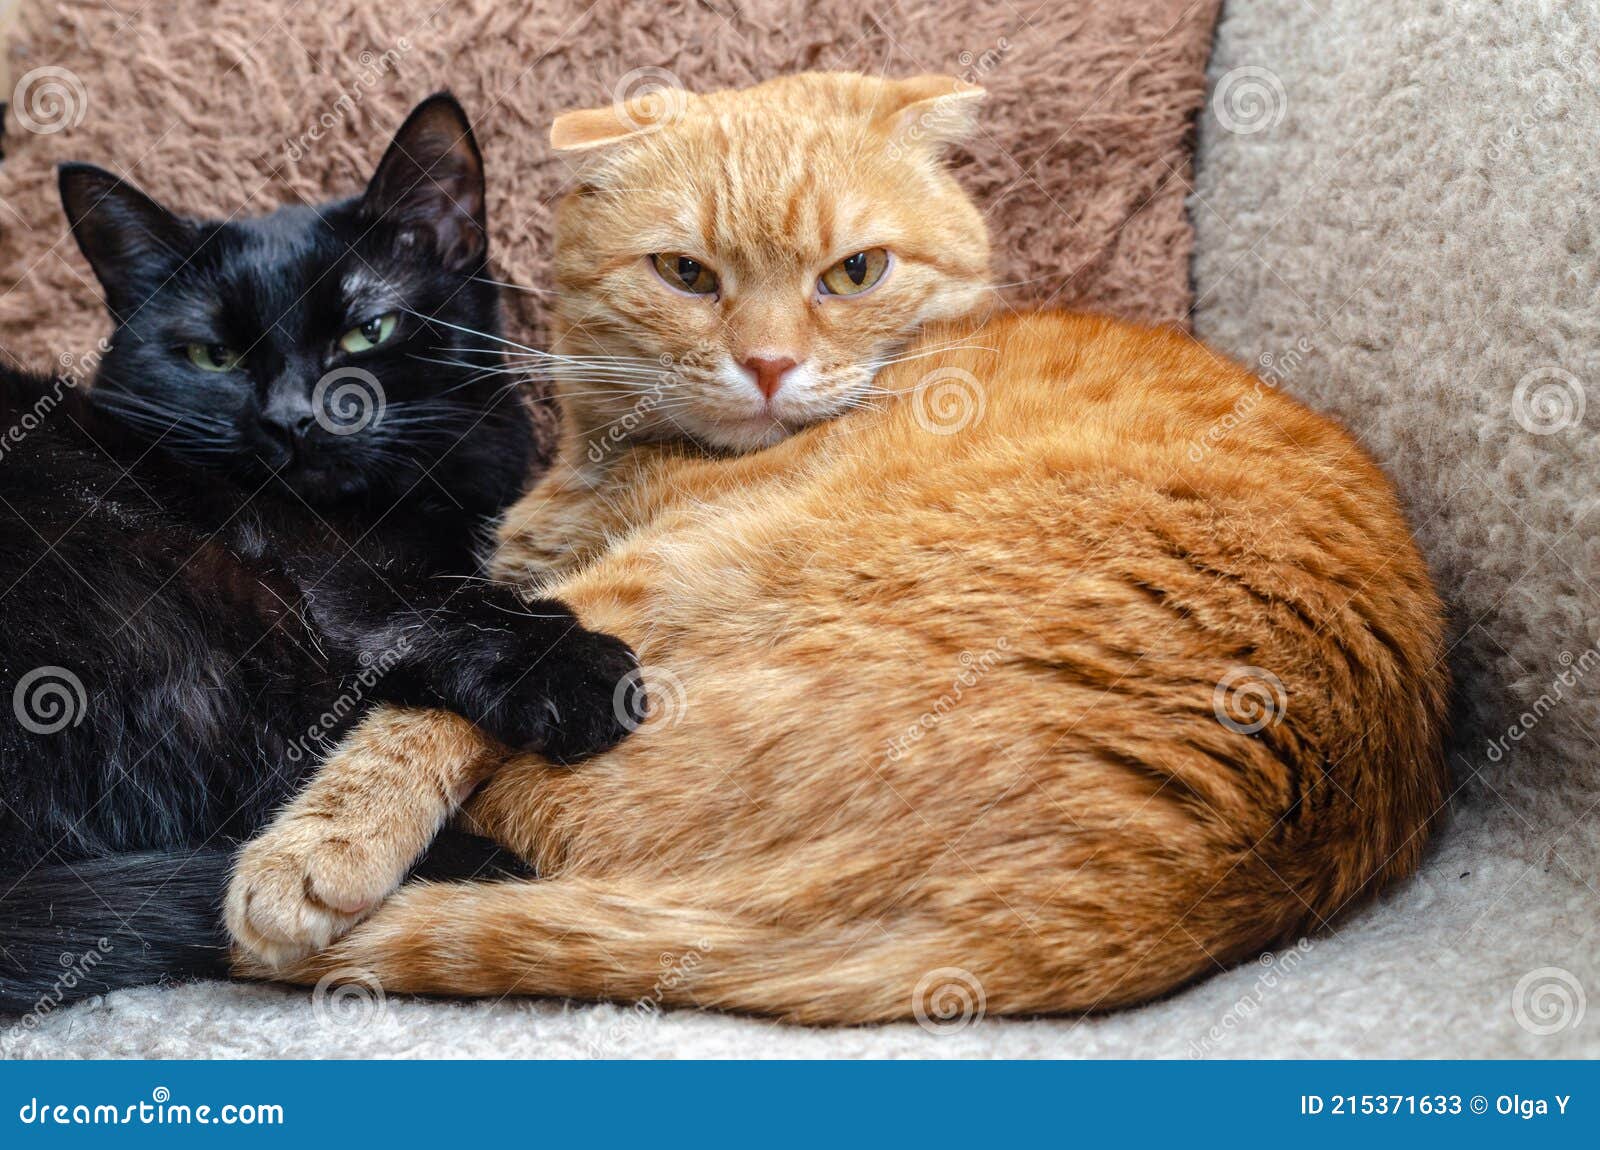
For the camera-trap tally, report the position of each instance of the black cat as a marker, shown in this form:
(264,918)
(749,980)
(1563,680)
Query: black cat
(261,520)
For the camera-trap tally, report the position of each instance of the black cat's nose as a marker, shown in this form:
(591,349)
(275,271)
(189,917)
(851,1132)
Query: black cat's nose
(291,432)
(286,427)
(287,417)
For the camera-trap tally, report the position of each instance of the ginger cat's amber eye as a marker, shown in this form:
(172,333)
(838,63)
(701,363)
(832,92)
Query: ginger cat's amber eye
(685,274)
(855,274)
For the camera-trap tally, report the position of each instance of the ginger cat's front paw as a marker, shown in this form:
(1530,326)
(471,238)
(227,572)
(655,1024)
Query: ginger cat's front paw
(295,891)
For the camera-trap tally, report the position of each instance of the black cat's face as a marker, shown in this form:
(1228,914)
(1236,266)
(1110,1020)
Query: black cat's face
(326,347)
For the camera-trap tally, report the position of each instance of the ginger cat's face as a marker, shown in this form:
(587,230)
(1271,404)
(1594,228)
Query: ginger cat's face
(759,254)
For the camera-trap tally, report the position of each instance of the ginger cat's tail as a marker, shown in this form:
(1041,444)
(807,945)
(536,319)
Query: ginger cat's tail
(624,940)
(613,939)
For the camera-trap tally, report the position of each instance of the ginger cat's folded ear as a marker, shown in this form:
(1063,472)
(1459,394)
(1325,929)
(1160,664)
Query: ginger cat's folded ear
(940,110)
(936,108)
(590,128)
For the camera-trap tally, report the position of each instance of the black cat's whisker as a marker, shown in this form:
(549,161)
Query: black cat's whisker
(525,375)
(485,369)
(552,366)
(521,614)
(182,432)
(487,580)
(478,378)
(122,401)
(654,361)
(513,287)
(509,385)
(493,338)
(641,369)
(533,352)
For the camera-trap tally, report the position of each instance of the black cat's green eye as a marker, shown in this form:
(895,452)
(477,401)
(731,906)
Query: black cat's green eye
(212,356)
(685,274)
(379,329)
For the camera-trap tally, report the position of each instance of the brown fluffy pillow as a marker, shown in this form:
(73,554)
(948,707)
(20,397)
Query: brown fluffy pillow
(224,106)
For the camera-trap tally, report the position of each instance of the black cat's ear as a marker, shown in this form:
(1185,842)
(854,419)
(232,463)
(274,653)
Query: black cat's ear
(130,241)
(431,181)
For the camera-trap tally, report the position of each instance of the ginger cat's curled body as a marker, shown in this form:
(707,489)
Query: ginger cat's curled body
(1061,652)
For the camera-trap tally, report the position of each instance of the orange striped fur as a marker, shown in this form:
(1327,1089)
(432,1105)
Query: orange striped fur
(1067,655)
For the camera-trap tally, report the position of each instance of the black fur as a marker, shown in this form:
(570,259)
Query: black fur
(221,576)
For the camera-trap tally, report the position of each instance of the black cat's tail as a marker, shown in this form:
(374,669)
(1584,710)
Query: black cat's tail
(68,931)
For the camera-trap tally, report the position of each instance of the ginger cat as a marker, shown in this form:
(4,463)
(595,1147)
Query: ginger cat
(1046,656)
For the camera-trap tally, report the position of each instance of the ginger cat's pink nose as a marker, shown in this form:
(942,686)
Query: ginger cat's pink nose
(768,373)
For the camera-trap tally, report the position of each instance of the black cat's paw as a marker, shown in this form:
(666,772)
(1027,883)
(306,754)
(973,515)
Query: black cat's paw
(568,697)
